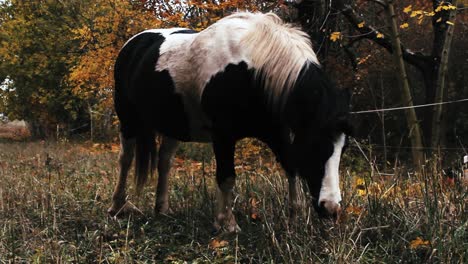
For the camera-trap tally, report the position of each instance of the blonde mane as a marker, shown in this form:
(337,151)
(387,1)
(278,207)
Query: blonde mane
(278,51)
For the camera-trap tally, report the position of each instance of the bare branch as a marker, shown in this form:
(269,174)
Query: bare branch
(380,2)
(414,58)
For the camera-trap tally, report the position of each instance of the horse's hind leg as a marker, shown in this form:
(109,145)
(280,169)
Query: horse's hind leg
(167,151)
(127,150)
(226,179)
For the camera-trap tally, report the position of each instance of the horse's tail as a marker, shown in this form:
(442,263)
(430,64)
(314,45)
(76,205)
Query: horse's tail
(145,158)
(132,124)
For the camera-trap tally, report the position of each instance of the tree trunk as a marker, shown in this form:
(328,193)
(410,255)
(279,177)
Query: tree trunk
(411,119)
(440,86)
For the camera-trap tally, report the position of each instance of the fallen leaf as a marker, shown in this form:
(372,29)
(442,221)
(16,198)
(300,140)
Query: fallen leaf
(419,242)
(355,210)
(334,36)
(215,243)
(254,216)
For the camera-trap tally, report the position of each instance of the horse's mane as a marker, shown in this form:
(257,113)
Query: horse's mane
(278,52)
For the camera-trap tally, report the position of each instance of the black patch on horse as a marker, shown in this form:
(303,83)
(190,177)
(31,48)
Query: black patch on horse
(144,97)
(184,31)
(235,104)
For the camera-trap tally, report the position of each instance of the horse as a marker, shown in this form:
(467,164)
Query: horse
(247,75)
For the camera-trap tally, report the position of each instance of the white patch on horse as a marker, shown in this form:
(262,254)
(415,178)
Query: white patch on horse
(193,59)
(330,190)
(175,57)
(196,58)
(163,31)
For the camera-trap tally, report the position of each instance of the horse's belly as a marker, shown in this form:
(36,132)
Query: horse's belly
(199,131)
(183,121)
(198,123)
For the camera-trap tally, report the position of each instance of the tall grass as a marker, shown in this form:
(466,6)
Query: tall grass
(54,197)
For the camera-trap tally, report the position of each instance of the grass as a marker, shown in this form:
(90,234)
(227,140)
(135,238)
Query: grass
(54,197)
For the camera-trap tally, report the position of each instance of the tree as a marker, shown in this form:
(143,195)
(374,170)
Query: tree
(36,52)
(104,27)
(413,125)
(367,24)
(427,64)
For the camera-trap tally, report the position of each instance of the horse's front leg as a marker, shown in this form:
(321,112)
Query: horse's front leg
(293,197)
(280,144)
(166,155)
(127,150)
(226,179)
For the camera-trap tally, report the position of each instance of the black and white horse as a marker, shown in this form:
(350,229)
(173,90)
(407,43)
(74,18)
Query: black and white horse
(247,75)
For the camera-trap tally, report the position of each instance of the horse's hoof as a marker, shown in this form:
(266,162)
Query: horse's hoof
(234,229)
(114,210)
(225,230)
(166,211)
(126,209)
(292,214)
(162,209)
(229,227)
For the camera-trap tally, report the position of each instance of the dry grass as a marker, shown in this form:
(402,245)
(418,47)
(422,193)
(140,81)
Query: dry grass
(54,196)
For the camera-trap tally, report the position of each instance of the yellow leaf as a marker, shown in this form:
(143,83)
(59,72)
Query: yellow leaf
(419,242)
(450,23)
(408,9)
(360,186)
(449,7)
(416,13)
(361,25)
(439,19)
(445,7)
(335,36)
(404,25)
(380,35)
(359,181)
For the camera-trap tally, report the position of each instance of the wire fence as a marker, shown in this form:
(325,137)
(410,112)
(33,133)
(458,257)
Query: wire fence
(408,107)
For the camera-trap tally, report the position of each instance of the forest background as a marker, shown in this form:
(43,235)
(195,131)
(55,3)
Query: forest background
(57,63)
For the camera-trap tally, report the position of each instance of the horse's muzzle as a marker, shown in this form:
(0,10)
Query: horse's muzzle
(329,209)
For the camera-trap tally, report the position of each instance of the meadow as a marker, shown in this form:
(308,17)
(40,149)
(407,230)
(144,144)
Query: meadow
(54,198)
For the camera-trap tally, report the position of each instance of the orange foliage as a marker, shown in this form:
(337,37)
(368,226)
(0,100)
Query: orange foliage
(106,27)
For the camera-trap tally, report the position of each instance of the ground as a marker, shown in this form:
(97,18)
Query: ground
(54,197)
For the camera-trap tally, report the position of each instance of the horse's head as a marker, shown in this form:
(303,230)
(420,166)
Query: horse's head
(319,121)
(317,157)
